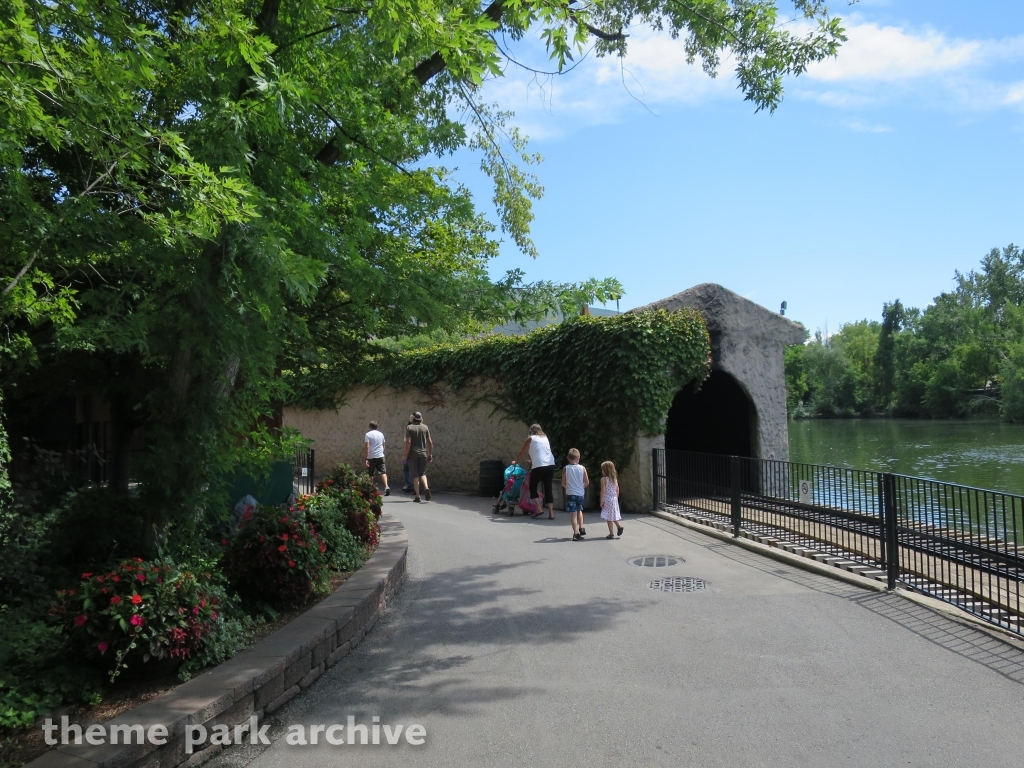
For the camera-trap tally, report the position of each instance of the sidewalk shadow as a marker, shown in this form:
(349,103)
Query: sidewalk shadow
(420,656)
(967,642)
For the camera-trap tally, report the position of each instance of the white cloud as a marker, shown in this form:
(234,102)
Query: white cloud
(891,53)
(877,67)
(859,126)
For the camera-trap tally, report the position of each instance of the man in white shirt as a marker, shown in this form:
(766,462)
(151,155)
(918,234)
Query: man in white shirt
(374,444)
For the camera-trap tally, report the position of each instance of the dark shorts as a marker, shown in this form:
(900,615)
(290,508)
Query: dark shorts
(573,503)
(377,466)
(417,465)
(543,475)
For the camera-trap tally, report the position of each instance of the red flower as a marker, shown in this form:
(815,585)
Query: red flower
(115,600)
(80,620)
(213,614)
(86,575)
(284,537)
(137,621)
(99,579)
(282,548)
(323,547)
(140,576)
(102,645)
(224,542)
(291,563)
(137,559)
(105,591)
(136,599)
(117,578)
(262,537)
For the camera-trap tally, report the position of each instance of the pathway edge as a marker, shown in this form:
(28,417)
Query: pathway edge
(261,679)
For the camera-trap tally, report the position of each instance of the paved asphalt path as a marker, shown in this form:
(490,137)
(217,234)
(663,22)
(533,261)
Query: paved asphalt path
(514,646)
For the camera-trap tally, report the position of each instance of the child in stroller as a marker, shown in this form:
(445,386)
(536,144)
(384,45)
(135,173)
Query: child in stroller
(515,476)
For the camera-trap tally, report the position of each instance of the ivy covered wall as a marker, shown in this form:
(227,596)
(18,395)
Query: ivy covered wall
(594,383)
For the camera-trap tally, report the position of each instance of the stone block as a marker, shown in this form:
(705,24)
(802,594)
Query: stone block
(312,677)
(269,691)
(237,713)
(297,671)
(338,654)
(203,697)
(202,757)
(173,754)
(55,759)
(323,650)
(283,699)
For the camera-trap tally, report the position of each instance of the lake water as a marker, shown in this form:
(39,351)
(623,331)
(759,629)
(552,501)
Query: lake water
(980,454)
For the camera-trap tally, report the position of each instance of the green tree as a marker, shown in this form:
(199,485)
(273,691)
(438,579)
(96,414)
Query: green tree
(196,197)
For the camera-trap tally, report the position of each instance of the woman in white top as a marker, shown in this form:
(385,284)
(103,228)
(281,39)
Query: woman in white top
(542,469)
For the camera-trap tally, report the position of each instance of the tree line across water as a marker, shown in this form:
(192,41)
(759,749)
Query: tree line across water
(961,356)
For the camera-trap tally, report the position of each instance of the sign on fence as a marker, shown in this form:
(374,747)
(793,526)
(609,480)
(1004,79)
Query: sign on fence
(805,491)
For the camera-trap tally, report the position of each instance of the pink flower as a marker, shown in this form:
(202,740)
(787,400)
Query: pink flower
(102,645)
(195,611)
(140,576)
(80,620)
(115,600)
(137,620)
(291,563)
(213,615)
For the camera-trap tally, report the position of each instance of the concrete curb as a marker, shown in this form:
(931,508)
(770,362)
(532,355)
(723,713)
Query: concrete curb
(835,572)
(261,679)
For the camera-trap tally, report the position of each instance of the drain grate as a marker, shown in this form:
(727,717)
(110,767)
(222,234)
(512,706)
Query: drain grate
(655,561)
(679,584)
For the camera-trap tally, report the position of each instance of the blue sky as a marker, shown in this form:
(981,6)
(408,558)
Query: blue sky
(882,172)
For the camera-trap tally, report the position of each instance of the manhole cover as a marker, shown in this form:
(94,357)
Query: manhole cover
(679,584)
(655,561)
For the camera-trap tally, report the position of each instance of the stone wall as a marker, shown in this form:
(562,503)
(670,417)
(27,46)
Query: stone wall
(747,342)
(465,427)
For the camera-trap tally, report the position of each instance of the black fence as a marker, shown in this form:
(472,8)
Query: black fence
(304,466)
(959,544)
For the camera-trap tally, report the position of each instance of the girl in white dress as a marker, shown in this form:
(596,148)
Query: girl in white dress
(610,499)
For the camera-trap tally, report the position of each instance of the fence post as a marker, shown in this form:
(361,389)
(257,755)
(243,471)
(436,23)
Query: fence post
(734,482)
(883,532)
(892,540)
(312,477)
(657,479)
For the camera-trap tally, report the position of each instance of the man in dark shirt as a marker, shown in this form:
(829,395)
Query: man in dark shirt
(419,451)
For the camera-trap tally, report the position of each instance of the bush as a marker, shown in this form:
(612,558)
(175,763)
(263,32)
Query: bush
(36,671)
(325,511)
(275,558)
(355,502)
(141,611)
(346,478)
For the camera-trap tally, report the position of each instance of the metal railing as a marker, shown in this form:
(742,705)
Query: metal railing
(302,473)
(962,545)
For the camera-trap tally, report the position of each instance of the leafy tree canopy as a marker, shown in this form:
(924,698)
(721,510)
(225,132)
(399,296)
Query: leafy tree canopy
(195,196)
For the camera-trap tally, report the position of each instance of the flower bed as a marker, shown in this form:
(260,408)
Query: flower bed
(142,618)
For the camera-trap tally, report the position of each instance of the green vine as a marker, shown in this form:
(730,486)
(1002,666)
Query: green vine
(593,383)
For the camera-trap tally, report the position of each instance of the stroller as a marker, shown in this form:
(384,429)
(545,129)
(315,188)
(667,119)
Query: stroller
(515,476)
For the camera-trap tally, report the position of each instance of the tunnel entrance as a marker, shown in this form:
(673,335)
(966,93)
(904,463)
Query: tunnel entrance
(718,418)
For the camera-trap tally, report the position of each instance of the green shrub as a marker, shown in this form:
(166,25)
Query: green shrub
(36,669)
(275,558)
(93,529)
(360,507)
(330,517)
(344,477)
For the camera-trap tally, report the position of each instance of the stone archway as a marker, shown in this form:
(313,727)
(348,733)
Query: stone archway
(718,418)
